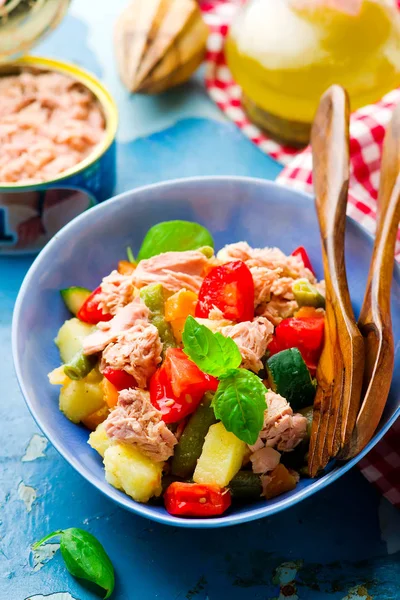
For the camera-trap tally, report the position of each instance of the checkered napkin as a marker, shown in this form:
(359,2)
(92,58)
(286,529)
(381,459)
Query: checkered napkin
(367,128)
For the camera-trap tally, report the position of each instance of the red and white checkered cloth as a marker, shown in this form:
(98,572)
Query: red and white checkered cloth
(367,129)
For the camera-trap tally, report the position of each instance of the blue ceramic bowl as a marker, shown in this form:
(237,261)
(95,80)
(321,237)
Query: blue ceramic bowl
(89,247)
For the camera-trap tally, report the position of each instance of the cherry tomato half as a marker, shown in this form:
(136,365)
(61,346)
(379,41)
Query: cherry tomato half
(196,499)
(302,253)
(120,379)
(304,333)
(90,311)
(178,386)
(229,288)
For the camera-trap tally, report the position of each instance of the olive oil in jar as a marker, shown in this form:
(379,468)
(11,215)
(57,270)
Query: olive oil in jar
(285,55)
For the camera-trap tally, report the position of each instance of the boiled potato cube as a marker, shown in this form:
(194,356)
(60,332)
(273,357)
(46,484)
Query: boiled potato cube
(99,440)
(58,377)
(221,457)
(128,470)
(79,399)
(70,336)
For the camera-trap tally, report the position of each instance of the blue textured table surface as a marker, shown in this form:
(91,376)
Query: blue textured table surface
(343,544)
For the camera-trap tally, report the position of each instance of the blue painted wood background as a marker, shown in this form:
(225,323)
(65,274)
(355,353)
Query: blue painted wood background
(343,544)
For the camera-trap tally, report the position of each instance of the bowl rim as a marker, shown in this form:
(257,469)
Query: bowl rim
(102,485)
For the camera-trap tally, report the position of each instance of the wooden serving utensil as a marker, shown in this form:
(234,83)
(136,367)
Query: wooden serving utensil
(375,321)
(341,365)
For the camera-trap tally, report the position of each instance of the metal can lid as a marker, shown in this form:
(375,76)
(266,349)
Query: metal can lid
(23,23)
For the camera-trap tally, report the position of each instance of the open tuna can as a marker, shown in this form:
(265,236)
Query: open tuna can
(57,135)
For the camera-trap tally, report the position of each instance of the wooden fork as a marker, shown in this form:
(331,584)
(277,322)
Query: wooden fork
(341,366)
(375,321)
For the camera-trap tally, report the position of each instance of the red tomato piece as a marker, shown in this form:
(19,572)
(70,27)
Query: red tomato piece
(90,311)
(177,387)
(302,253)
(184,374)
(229,288)
(120,379)
(304,333)
(196,500)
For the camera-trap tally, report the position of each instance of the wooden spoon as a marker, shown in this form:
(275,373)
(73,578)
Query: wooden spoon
(341,365)
(375,321)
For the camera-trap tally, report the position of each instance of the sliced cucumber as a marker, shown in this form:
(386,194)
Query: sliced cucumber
(289,376)
(70,336)
(74,297)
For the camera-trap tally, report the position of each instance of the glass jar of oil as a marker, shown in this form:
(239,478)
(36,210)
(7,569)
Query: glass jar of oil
(286,53)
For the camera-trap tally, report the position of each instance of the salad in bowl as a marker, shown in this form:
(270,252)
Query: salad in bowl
(194,369)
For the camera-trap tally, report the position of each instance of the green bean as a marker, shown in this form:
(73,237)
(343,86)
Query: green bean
(307,294)
(191,442)
(246,486)
(80,365)
(153,297)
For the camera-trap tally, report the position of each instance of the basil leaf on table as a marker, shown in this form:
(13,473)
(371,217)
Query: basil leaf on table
(239,403)
(212,352)
(84,557)
(174,236)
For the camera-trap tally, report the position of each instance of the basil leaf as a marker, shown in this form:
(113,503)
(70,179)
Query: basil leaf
(84,557)
(212,352)
(239,403)
(174,236)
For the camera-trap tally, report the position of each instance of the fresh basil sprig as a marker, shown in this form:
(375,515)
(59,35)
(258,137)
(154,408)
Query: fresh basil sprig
(239,401)
(174,236)
(212,352)
(84,557)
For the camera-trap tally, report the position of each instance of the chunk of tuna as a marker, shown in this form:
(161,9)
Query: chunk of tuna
(136,351)
(264,460)
(108,331)
(116,292)
(136,421)
(282,429)
(174,270)
(278,309)
(252,339)
(49,122)
(270,258)
(263,279)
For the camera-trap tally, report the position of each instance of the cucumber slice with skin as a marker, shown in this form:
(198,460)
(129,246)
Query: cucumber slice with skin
(74,297)
(289,376)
